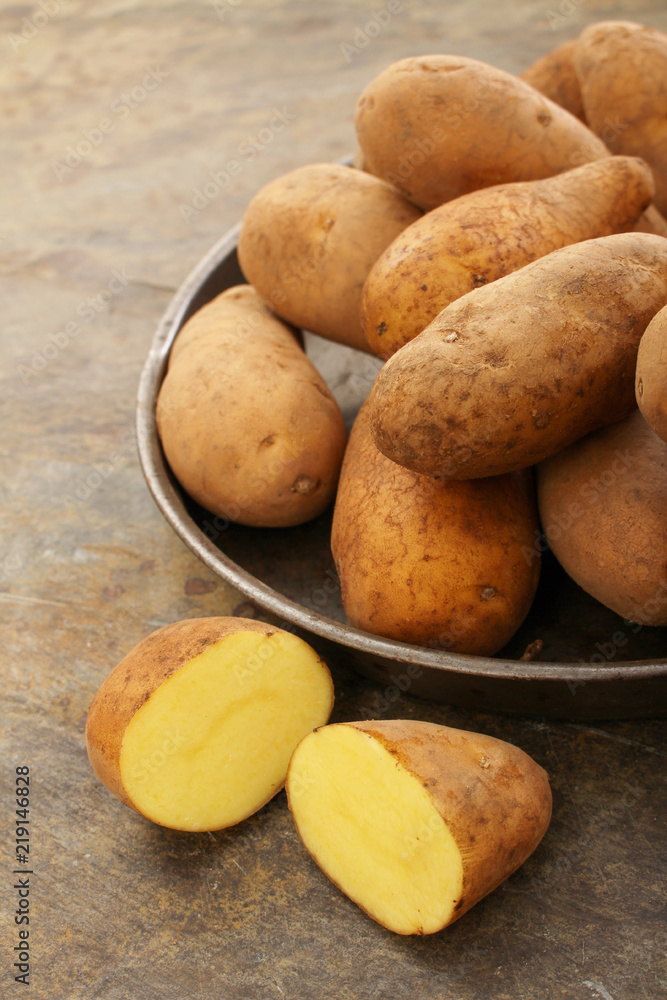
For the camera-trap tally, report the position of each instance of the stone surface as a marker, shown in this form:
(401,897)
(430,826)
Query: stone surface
(90,253)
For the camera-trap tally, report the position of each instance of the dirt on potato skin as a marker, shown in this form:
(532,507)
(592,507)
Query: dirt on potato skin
(432,562)
(439,126)
(245,419)
(610,490)
(536,359)
(487,234)
(310,238)
(622,71)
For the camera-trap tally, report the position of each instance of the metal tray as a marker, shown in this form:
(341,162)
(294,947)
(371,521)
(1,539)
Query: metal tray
(593,665)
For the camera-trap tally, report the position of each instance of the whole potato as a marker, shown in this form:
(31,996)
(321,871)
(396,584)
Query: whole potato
(309,239)
(247,423)
(436,563)
(554,76)
(517,370)
(651,379)
(439,126)
(622,71)
(487,234)
(608,495)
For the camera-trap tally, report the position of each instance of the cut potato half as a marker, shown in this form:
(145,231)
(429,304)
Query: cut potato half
(415,822)
(195,727)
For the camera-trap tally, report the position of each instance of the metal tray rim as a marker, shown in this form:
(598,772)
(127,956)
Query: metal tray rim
(171,505)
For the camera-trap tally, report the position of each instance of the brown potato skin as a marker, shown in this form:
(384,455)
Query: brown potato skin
(554,76)
(435,563)
(240,308)
(622,71)
(651,379)
(138,675)
(610,490)
(439,126)
(519,369)
(495,799)
(487,234)
(248,425)
(309,239)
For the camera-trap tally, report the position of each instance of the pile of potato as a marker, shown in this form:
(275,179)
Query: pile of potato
(506,265)
(512,272)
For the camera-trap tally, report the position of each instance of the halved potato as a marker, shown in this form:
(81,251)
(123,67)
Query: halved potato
(416,822)
(196,725)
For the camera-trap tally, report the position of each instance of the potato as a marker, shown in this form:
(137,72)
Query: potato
(436,563)
(517,370)
(622,71)
(603,503)
(238,310)
(651,221)
(247,423)
(195,726)
(309,239)
(554,76)
(416,822)
(486,234)
(437,127)
(651,378)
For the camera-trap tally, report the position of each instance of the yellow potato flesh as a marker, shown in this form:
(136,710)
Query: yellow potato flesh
(212,743)
(374,830)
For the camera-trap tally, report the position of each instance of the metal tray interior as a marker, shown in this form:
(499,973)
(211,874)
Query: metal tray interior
(592,665)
